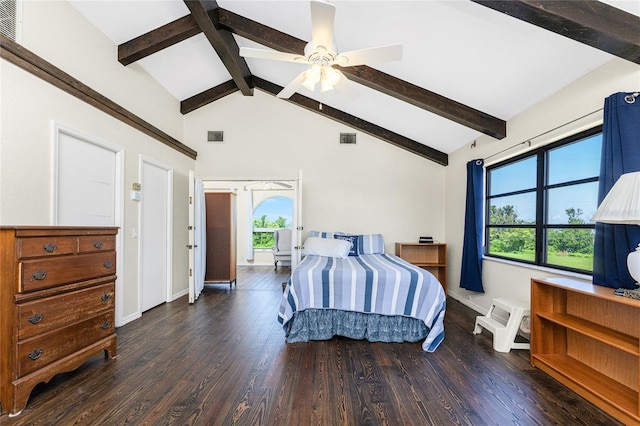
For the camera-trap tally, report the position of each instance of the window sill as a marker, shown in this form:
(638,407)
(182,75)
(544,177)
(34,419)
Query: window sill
(540,268)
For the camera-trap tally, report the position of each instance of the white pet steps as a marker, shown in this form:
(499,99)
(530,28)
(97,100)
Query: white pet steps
(504,335)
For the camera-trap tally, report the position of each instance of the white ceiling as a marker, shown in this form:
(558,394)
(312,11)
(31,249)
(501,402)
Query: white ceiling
(456,48)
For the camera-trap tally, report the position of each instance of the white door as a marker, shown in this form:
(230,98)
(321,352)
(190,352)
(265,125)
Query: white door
(296,235)
(197,237)
(87,189)
(86,175)
(155,235)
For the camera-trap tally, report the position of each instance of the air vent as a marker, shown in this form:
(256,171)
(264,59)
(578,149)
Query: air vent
(215,136)
(348,138)
(9,18)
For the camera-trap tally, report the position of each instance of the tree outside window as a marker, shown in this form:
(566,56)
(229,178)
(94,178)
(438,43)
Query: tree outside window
(539,204)
(273,213)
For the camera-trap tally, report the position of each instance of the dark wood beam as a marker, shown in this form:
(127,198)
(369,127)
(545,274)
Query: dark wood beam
(371,78)
(204,13)
(208,96)
(357,123)
(427,100)
(32,63)
(590,22)
(158,39)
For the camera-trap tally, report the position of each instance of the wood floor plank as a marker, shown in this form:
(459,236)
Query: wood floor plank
(224,361)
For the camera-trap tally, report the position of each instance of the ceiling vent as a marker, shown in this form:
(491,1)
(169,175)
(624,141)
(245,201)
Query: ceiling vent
(348,138)
(9,11)
(215,136)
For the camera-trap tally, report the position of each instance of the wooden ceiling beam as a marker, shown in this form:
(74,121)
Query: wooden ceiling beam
(357,123)
(158,39)
(371,78)
(593,23)
(204,12)
(208,96)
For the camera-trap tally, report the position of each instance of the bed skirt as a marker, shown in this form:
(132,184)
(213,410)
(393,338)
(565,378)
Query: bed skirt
(324,324)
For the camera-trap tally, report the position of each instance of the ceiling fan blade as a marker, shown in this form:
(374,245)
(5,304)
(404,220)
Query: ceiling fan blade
(369,56)
(249,52)
(292,87)
(322,18)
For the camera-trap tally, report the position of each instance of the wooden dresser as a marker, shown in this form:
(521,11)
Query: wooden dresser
(57,299)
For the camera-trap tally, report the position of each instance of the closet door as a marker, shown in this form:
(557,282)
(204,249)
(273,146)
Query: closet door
(221,237)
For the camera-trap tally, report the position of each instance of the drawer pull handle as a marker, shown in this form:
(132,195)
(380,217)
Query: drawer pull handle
(108,264)
(39,275)
(105,325)
(35,354)
(97,244)
(50,248)
(105,297)
(34,319)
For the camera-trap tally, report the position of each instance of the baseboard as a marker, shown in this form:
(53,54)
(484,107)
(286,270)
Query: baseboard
(468,303)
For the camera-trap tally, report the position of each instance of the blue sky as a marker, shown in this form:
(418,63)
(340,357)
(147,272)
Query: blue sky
(567,163)
(275,207)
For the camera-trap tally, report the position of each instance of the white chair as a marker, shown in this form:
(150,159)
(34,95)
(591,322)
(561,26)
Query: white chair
(282,247)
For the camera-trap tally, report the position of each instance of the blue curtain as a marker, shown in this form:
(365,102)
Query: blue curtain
(620,154)
(471,275)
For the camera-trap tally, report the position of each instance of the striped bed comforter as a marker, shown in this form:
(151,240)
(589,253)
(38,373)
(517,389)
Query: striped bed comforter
(371,283)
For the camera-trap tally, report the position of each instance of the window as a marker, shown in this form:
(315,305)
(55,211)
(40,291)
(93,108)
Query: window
(539,205)
(271,214)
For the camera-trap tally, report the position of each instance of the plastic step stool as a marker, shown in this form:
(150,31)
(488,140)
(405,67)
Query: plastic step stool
(504,335)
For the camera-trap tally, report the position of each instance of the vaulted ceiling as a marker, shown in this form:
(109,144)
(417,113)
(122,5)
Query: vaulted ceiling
(467,68)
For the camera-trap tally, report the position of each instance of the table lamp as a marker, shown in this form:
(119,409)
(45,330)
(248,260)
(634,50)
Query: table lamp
(622,206)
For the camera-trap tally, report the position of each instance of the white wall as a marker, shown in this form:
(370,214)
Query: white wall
(370,187)
(504,279)
(30,106)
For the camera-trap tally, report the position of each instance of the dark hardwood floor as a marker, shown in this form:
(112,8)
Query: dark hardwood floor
(224,361)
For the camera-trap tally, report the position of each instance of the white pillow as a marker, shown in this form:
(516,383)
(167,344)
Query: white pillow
(326,247)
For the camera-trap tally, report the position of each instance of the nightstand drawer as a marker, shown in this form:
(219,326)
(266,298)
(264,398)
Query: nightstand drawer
(96,243)
(41,351)
(44,273)
(45,246)
(46,314)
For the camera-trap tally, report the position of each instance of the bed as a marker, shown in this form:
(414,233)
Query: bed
(347,286)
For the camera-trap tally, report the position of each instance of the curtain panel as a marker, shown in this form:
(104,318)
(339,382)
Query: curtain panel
(471,275)
(620,154)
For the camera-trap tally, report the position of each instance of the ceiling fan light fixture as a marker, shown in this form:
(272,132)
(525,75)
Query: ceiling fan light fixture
(312,77)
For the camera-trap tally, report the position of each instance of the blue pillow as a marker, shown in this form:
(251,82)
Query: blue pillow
(352,239)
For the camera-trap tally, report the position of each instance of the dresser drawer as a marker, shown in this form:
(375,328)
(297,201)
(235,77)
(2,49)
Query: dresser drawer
(96,243)
(43,315)
(45,246)
(37,274)
(38,352)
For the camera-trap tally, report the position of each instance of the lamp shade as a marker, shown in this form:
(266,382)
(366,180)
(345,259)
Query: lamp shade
(622,203)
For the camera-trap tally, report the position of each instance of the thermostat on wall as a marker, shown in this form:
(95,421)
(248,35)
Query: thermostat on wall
(134,195)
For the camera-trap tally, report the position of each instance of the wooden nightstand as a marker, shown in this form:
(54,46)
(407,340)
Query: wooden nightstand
(432,257)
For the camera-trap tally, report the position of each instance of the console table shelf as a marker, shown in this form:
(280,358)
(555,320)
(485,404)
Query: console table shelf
(588,339)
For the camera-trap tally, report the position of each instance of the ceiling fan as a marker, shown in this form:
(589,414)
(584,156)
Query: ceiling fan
(321,54)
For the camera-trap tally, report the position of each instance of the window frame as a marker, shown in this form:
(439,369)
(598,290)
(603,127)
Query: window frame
(541,226)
